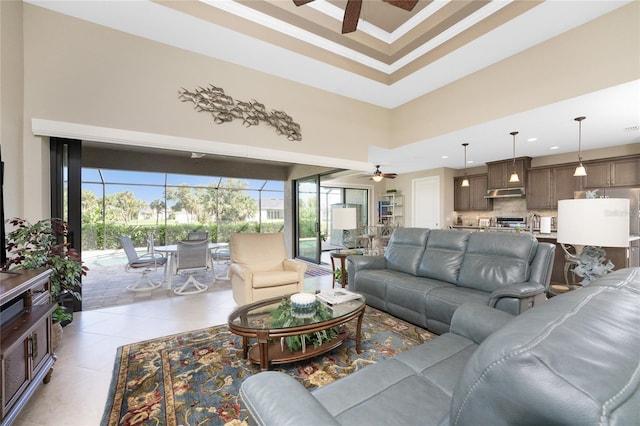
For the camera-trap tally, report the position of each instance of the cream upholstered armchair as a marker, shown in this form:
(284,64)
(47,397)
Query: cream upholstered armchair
(260,268)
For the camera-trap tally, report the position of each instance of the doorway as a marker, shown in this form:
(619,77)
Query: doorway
(426,202)
(314,201)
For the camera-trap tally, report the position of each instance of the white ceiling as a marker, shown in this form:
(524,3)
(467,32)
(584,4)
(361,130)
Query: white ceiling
(391,68)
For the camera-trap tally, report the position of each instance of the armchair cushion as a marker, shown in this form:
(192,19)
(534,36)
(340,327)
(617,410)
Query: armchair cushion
(260,268)
(264,252)
(273,278)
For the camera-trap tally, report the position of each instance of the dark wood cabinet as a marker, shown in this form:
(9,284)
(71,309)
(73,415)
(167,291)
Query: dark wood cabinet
(471,197)
(547,185)
(620,172)
(499,173)
(26,356)
(540,188)
(565,183)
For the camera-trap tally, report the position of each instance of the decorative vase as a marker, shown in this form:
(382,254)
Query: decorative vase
(56,334)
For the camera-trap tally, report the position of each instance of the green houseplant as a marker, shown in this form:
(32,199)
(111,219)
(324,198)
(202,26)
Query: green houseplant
(44,244)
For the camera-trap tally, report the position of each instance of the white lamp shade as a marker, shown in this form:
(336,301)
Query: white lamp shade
(344,218)
(602,222)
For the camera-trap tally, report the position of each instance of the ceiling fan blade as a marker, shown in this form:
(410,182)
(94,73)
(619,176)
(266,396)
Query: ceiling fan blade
(403,4)
(351,16)
(301,2)
(389,175)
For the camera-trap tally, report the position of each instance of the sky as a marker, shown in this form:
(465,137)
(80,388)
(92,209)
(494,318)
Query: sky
(142,184)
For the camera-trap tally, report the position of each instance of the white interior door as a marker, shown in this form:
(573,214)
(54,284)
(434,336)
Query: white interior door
(426,202)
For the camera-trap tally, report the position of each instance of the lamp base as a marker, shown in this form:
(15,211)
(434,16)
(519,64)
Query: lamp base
(588,262)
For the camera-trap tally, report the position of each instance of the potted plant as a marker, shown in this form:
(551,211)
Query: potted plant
(44,244)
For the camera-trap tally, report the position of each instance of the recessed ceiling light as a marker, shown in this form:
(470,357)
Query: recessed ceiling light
(532,139)
(470,162)
(444,157)
(554,147)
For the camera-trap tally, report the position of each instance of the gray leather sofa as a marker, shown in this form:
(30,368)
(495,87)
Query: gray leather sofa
(572,360)
(426,274)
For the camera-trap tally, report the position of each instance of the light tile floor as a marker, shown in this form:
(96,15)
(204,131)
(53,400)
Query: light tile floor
(77,392)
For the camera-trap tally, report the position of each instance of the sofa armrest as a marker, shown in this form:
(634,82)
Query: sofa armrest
(294,265)
(476,322)
(274,398)
(241,270)
(526,290)
(356,263)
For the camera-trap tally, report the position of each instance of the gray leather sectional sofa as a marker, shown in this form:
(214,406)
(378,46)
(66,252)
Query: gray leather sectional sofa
(572,360)
(426,274)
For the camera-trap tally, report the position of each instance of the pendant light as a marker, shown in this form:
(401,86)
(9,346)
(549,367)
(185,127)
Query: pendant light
(580,170)
(465,181)
(514,175)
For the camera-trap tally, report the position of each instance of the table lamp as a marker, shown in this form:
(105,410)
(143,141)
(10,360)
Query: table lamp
(590,224)
(344,218)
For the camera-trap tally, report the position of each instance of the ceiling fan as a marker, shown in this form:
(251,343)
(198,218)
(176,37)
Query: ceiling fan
(378,175)
(352,11)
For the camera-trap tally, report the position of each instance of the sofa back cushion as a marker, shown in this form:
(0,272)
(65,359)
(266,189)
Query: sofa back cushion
(570,360)
(405,249)
(444,254)
(494,260)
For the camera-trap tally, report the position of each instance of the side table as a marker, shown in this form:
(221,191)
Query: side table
(342,255)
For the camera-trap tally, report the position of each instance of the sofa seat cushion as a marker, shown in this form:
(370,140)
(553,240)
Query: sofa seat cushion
(422,378)
(406,296)
(271,278)
(441,303)
(372,283)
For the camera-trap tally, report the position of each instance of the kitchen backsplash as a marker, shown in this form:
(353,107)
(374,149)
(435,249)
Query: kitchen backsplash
(502,207)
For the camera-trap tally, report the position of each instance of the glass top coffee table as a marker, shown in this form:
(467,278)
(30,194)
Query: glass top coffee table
(256,321)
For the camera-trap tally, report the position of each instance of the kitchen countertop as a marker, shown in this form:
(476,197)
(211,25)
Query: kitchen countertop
(536,232)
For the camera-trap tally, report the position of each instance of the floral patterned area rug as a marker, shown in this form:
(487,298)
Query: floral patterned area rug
(194,378)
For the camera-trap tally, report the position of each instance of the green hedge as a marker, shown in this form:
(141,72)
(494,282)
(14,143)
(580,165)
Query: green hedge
(99,237)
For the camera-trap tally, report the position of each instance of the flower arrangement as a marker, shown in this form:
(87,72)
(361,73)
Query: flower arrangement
(283,317)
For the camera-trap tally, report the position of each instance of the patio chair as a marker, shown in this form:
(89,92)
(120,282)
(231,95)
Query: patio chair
(197,235)
(220,260)
(148,262)
(192,257)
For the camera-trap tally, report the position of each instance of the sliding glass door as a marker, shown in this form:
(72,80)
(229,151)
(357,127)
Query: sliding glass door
(65,166)
(308,219)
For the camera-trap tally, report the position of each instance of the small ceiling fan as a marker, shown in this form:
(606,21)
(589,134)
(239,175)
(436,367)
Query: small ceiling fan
(352,11)
(378,175)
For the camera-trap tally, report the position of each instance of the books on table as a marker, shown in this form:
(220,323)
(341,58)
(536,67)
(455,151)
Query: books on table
(335,297)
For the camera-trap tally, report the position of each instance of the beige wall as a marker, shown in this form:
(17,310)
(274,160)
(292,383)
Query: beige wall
(78,72)
(83,73)
(597,55)
(11,105)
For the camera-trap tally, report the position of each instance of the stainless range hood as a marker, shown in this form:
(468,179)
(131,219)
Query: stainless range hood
(505,193)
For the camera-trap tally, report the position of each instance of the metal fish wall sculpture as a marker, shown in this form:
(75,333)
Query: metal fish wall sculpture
(224,108)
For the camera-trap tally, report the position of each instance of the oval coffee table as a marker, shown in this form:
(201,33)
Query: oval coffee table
(253,321)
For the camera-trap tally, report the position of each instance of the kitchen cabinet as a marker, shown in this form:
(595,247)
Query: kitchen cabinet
(620,172)
(26,357)
(539,188)
(471,197)
(500,171)
(547,185)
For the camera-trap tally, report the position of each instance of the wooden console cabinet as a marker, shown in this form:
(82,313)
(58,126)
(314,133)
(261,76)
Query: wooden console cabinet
(26,357)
